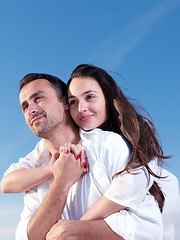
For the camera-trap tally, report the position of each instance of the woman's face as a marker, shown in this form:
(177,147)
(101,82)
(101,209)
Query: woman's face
(87,103)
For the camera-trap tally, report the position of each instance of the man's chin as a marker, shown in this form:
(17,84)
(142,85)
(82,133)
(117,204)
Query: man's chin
(39,132)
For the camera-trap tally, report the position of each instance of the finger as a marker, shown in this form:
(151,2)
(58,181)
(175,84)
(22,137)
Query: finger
(83,158)
(87,164)
(64,149)
(56,155)
(84,161)
(79,147)
(75,150)
(67,145)
(54,158)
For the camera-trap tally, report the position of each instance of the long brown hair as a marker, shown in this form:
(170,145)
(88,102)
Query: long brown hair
(123,118)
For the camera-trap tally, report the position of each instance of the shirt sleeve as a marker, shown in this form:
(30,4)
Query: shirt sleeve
(23,163)
(31,204)
(129,189)
(30,161)
(143,223)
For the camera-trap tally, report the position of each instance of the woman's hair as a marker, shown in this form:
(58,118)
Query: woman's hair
(138,130)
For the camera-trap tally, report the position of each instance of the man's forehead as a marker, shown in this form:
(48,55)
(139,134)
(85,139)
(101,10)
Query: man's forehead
(41,82)
(34,87)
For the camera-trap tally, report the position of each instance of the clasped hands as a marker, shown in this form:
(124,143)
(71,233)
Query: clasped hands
(70,163)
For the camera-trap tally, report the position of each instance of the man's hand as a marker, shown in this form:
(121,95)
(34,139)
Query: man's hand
(66,167)
(60,231)
(81,230)
(70,161)
(67,230)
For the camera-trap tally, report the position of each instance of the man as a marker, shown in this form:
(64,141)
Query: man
(42,100)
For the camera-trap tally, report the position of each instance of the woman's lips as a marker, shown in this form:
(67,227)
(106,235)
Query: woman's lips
(85,118)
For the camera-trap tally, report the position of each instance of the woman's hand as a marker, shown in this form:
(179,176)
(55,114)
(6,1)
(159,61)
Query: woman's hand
(80,153)
(70,164)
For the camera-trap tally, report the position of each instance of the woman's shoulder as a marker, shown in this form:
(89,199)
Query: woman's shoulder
(106,138)
(97,132)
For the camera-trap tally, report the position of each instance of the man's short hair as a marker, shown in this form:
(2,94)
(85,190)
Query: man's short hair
(58,84)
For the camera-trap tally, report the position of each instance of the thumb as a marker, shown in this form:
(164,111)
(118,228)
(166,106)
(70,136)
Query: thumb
(55,157)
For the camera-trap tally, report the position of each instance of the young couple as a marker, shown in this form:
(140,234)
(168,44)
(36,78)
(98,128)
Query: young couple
(106,179)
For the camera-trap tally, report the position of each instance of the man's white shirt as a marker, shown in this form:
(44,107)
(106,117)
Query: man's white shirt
(107,154)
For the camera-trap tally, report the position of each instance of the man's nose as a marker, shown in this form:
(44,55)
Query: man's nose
(32,109)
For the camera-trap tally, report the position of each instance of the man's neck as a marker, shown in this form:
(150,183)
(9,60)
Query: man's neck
(67,134)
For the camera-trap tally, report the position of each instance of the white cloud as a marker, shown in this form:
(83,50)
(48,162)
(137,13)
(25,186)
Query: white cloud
(6,211)
(177,228)
(113,49)
(8,232)
(9,217)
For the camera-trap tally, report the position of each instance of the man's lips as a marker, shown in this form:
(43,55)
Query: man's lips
(36,119)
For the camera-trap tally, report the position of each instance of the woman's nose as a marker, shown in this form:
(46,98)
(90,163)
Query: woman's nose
(82,106)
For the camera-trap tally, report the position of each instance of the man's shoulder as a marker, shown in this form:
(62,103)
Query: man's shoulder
(39,154)
(39,148)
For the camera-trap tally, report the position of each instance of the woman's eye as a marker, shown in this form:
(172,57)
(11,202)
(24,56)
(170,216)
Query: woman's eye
(72,102)
(90,97)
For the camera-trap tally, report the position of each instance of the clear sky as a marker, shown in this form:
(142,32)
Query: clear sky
(138,39)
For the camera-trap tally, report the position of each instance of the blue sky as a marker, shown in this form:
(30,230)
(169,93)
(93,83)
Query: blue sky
(137,39)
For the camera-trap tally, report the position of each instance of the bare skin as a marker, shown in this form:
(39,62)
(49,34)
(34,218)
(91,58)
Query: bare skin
(82,230)
(22,180)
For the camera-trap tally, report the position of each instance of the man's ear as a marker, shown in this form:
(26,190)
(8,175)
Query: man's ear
(66,103)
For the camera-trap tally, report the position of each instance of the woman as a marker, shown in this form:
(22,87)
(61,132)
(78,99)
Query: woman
(88,109)
(91,92)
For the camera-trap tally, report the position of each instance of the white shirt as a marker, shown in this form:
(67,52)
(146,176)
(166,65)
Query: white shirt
(143,219)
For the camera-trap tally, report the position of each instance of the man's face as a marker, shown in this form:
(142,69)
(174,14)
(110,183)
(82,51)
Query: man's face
(42,109)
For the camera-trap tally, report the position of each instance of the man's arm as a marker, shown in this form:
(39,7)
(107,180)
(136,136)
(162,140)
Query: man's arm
(82,230)
(66,172)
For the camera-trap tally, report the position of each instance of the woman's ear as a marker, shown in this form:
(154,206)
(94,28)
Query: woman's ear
(66,103)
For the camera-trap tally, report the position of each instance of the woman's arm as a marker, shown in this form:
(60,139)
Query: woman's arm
(101,209)
(21,180)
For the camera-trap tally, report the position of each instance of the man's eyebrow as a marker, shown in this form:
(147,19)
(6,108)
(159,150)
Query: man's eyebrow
(84,93)
(35,94)
(31,97)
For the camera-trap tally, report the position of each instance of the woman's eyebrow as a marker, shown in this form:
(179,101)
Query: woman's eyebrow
(84,93)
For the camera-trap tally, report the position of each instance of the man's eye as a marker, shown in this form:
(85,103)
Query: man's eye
(37,99)
(24,108)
